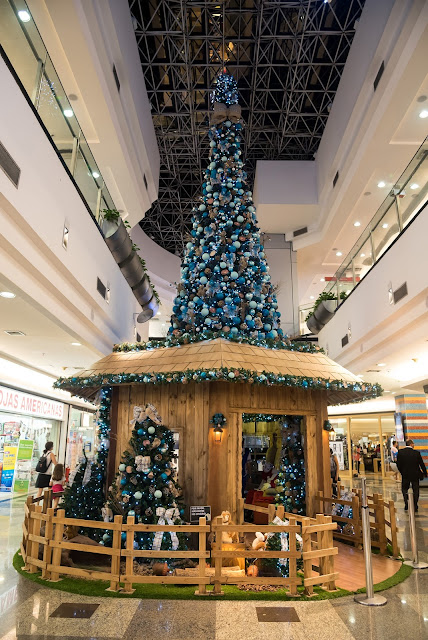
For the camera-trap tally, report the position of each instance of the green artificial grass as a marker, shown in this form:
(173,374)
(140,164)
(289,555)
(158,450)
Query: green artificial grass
(403,573)
(97,588)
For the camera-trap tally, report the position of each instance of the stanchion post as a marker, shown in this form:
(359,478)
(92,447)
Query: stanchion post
(370,599)
(414,562)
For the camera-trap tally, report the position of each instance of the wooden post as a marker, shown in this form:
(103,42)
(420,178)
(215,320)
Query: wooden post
(47,500)
(271,512)
(58,535)
(307,564)
(26,531)
(321,544)
(47,551)
(35,545)
(218,561)
(115,559)
(331,586)
(320,501)
(202,587)
(292,562)
(392,520)
(129,570)
(379,510)
(241,514)
(356,521)
(280,512)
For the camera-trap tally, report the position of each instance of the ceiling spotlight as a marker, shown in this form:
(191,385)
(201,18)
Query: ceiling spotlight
(322,279)
(95,174)
(158,313)
(68,113)
(385,225)
(76,344)
(414,186)
(7,294)
(357,224)
(339,253)
(24,16)
(381,364)
(423,114)
(381,184)
(362,255)
(312,297)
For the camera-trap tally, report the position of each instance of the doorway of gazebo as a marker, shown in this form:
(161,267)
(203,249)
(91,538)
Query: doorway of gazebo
(273,462)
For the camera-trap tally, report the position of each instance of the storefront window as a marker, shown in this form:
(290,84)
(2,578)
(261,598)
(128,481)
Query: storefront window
(339,441)
(81,439)
(18,461)
(368,439)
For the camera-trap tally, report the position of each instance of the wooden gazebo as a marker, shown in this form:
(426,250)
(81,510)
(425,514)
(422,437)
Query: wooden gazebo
(189,383)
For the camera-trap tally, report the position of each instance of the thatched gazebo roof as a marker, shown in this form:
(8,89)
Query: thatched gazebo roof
(222,360)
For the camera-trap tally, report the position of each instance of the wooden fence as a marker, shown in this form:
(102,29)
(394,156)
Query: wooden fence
(130,553)
(317,534)
(42,550)
(383,524)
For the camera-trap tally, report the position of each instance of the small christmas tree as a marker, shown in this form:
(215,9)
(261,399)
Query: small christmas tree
(85,495)
(145,486)
(290,481)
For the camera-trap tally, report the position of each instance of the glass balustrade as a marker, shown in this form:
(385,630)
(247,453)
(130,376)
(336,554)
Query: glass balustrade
(406,199)
(24,48)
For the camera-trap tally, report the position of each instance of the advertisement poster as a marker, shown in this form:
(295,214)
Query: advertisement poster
(337,446)
(9,461)
(23,466)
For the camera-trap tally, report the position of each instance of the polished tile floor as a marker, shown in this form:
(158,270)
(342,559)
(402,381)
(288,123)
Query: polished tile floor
(31,612)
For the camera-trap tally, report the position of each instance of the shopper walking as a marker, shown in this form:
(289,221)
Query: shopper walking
(393,464)
(412,469)
(45,467)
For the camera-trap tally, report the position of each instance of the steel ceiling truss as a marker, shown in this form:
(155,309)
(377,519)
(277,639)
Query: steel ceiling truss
(287,57)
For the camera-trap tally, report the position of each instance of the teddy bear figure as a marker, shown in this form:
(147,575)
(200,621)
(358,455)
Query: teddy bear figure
(259,541)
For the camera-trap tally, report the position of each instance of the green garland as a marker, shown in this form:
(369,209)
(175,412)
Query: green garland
(265,378)
(187,338)
(262,417)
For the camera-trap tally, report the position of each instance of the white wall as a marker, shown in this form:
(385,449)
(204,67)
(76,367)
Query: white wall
(282,263)
(32,218)
(379,329)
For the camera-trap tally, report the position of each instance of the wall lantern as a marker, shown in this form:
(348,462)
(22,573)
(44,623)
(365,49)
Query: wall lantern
(218,421)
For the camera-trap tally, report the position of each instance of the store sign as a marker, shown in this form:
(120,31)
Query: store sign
(199,512)
(23,466)
(337,447)
(8,471)
(20,402)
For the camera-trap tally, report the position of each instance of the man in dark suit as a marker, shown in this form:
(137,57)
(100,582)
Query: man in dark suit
(412,469)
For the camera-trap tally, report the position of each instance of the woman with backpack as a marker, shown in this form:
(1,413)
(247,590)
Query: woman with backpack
(44,468)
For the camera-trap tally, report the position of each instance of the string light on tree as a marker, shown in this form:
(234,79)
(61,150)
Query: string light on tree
(84,498)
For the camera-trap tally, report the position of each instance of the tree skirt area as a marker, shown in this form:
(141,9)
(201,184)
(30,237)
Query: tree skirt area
(176,592)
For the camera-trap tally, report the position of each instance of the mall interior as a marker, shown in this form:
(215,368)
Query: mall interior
(214,316)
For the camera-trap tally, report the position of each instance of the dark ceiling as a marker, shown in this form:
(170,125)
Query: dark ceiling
(287,57)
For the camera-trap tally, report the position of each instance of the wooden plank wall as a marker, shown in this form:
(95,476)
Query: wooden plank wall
(210,473)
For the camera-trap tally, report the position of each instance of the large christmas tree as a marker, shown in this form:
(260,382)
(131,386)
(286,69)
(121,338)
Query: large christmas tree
(225,283)
(146,486)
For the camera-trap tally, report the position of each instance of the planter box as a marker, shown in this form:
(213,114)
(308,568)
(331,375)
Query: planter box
(132,269)
(117,239)
(149,310)
(143,291)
